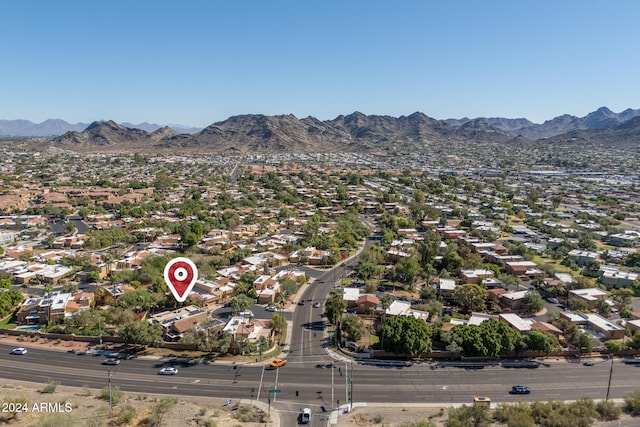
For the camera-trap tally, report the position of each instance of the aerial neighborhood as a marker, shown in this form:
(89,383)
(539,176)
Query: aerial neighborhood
(543,259)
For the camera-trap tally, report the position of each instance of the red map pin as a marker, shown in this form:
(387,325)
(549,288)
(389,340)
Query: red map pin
(180,274)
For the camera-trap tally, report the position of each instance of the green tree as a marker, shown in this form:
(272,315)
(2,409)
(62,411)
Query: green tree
(139,300)
(406,335)
(278,324)
(240,302)
(622,297)
(288,286)
(335,306)
(470,297)
(534,301)
(140,332)
(537,340)
(584,342)
(352,326)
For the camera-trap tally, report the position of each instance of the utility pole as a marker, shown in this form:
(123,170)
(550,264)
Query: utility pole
(100,328)
(110,395)
(610,375)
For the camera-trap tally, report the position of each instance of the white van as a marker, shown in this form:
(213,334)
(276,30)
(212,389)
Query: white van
(305,416)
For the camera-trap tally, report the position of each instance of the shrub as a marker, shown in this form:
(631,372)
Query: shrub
(607,410)
(632,403)
(116,394)
(12,403)
(50,387)
(21,338)
(418,423)
(86,391)
(518,415)
(126,414)
(211,423)
(57,420)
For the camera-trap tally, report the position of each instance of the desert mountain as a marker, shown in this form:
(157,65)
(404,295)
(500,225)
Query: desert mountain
(623,135)
(599,119)
(51,127)
(256,133)
(56,127)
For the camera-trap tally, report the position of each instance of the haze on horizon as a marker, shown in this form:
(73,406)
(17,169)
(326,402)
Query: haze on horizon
(202,62)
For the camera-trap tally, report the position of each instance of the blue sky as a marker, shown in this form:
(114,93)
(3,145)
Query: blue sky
(198,62)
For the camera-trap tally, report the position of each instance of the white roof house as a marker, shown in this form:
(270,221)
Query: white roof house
(516,322)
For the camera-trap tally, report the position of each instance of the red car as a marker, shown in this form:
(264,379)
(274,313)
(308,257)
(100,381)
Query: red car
(301,302)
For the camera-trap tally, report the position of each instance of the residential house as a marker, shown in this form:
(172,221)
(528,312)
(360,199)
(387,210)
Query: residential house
(403,308)
(514,301)
(626,239)
(446,287)
(618,279)
(51,308)
(175,323)
(109,294)
(516,322)
(599,326)
(475,276)
(582,257)
(524,269)
(590,296)
(366,303)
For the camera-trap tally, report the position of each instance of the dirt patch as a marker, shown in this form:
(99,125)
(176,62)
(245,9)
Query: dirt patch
(27,406)
(381,416)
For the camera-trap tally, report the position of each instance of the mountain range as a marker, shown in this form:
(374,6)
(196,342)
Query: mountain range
(256,133)
(599,119)
(57,127)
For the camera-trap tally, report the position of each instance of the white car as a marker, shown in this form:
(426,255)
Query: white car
(168,371)
(271,308)
(316,305)
(305,416)
(19,350)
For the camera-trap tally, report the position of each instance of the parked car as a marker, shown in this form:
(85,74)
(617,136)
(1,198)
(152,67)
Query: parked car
(19,351)
(520,389)
(169,370)
(553,300)
(277,362)
(111,361)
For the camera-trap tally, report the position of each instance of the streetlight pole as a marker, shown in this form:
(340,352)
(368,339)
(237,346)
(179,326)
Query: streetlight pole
(333,365)
(350,378)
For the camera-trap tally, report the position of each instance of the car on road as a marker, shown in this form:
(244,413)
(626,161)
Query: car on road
(19,351)
(305,416)
(111,361)
(520,389)
(301,302)
(553,300)
(168,370)
(316,305)
(271,308)
(277,362)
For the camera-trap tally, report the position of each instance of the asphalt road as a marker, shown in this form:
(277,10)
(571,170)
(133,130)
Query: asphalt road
(313,379)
